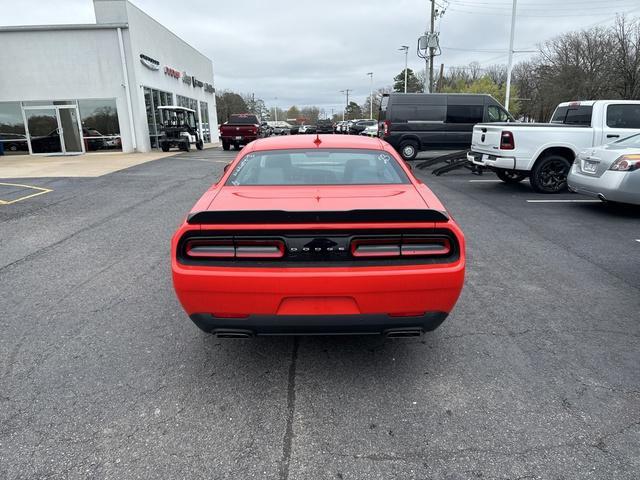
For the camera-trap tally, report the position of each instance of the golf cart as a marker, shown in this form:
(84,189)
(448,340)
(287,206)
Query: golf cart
(179,129)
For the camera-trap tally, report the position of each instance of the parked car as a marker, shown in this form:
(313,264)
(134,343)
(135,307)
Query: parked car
(324,126)
(413,122)
(358,127)
(14,142)
(307,129)
(544,152)
(280,128)
(241,129)
(365,248)
(266,129)
(294,130)
(609,172)
(370,130)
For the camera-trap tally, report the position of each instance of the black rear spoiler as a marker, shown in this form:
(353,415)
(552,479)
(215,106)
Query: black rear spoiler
(241,217)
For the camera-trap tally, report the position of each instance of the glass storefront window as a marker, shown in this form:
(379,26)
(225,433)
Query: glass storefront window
(152,100)
(12,132)
(187,102)
(100,127)
(204,115)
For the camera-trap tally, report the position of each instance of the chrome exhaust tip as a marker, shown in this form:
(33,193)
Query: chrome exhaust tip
(403,332)
(230,333)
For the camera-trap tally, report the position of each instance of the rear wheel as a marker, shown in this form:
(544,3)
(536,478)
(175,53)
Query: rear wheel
(510,176)
(409,149)
(164,147)
(225,145)
(186,146)
(549,175)
(199,144)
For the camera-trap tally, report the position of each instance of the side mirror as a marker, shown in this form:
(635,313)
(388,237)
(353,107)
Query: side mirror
(226,167)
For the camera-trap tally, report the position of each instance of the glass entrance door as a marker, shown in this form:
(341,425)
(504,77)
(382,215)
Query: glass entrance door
(43,130)
(71,135)
(54,130)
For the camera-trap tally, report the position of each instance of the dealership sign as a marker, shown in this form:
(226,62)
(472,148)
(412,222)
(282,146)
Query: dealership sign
(209,88)
(150,63)
(186,78)
(172,72)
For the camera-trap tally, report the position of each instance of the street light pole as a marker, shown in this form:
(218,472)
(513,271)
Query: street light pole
(371,96)
(346,92)
(510,66)
(275,109)
(405,48)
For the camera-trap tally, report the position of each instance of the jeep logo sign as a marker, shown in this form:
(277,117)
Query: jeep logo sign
(150,63)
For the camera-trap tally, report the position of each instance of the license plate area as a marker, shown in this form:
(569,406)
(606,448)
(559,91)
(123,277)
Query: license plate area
(589,166)
(238,137)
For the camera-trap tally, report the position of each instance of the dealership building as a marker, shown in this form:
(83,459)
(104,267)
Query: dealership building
(70,89)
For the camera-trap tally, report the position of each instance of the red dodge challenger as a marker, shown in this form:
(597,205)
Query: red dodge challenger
(319,234)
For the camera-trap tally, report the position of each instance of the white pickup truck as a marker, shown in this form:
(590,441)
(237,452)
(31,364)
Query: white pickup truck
(544,152)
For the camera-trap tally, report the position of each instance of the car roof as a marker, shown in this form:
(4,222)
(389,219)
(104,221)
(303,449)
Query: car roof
(309,141)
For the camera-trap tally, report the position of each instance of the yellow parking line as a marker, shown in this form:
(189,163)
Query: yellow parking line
(41,191)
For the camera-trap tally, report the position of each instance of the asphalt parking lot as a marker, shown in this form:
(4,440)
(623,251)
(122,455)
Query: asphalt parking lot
(534,376)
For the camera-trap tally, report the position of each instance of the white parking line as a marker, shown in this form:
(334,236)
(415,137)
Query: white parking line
(563,201)
(497,180)
(638,240)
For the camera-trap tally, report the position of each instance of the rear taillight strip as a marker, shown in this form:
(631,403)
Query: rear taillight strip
(202,248)
(421,247)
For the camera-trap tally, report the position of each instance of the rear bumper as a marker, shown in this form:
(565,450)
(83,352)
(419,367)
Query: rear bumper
(308,292)
(319,324)
(243,140)
(623,187)
(492,161)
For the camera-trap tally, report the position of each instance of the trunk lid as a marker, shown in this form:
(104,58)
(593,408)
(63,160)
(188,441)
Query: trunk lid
(318,198)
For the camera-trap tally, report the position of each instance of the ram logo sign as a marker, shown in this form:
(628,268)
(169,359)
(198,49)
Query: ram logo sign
(150,63)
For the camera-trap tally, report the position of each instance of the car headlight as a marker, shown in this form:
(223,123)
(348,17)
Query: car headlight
(626,163)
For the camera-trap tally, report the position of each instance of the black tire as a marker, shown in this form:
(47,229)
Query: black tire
(186,146)
(549,174)
(510,176)
(409,149)
(199,144)
(226,145)
(164,147)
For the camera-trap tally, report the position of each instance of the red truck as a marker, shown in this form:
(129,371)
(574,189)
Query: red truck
(241,129)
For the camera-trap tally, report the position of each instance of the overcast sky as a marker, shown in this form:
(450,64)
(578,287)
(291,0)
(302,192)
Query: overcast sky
(305,51)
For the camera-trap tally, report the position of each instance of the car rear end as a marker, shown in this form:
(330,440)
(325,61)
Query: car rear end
(293,275)
(241,129)
(610,174)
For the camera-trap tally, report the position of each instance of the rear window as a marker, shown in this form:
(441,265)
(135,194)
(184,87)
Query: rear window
(465,113)
(573,115)
(318,167)
(244,119)
(623,116)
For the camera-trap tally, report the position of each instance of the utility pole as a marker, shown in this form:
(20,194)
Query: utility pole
(439,84)
(405,49)
(371,96)
(510,66)
(346,92)
(432,50)
(275,109)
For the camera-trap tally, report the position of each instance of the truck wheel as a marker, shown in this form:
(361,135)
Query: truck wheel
(409,150)
(199,144)
(549,174)
(164,147)
(225,145)
(186,146)
(510,176)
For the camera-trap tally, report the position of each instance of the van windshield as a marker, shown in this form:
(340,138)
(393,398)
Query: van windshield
(382,113)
